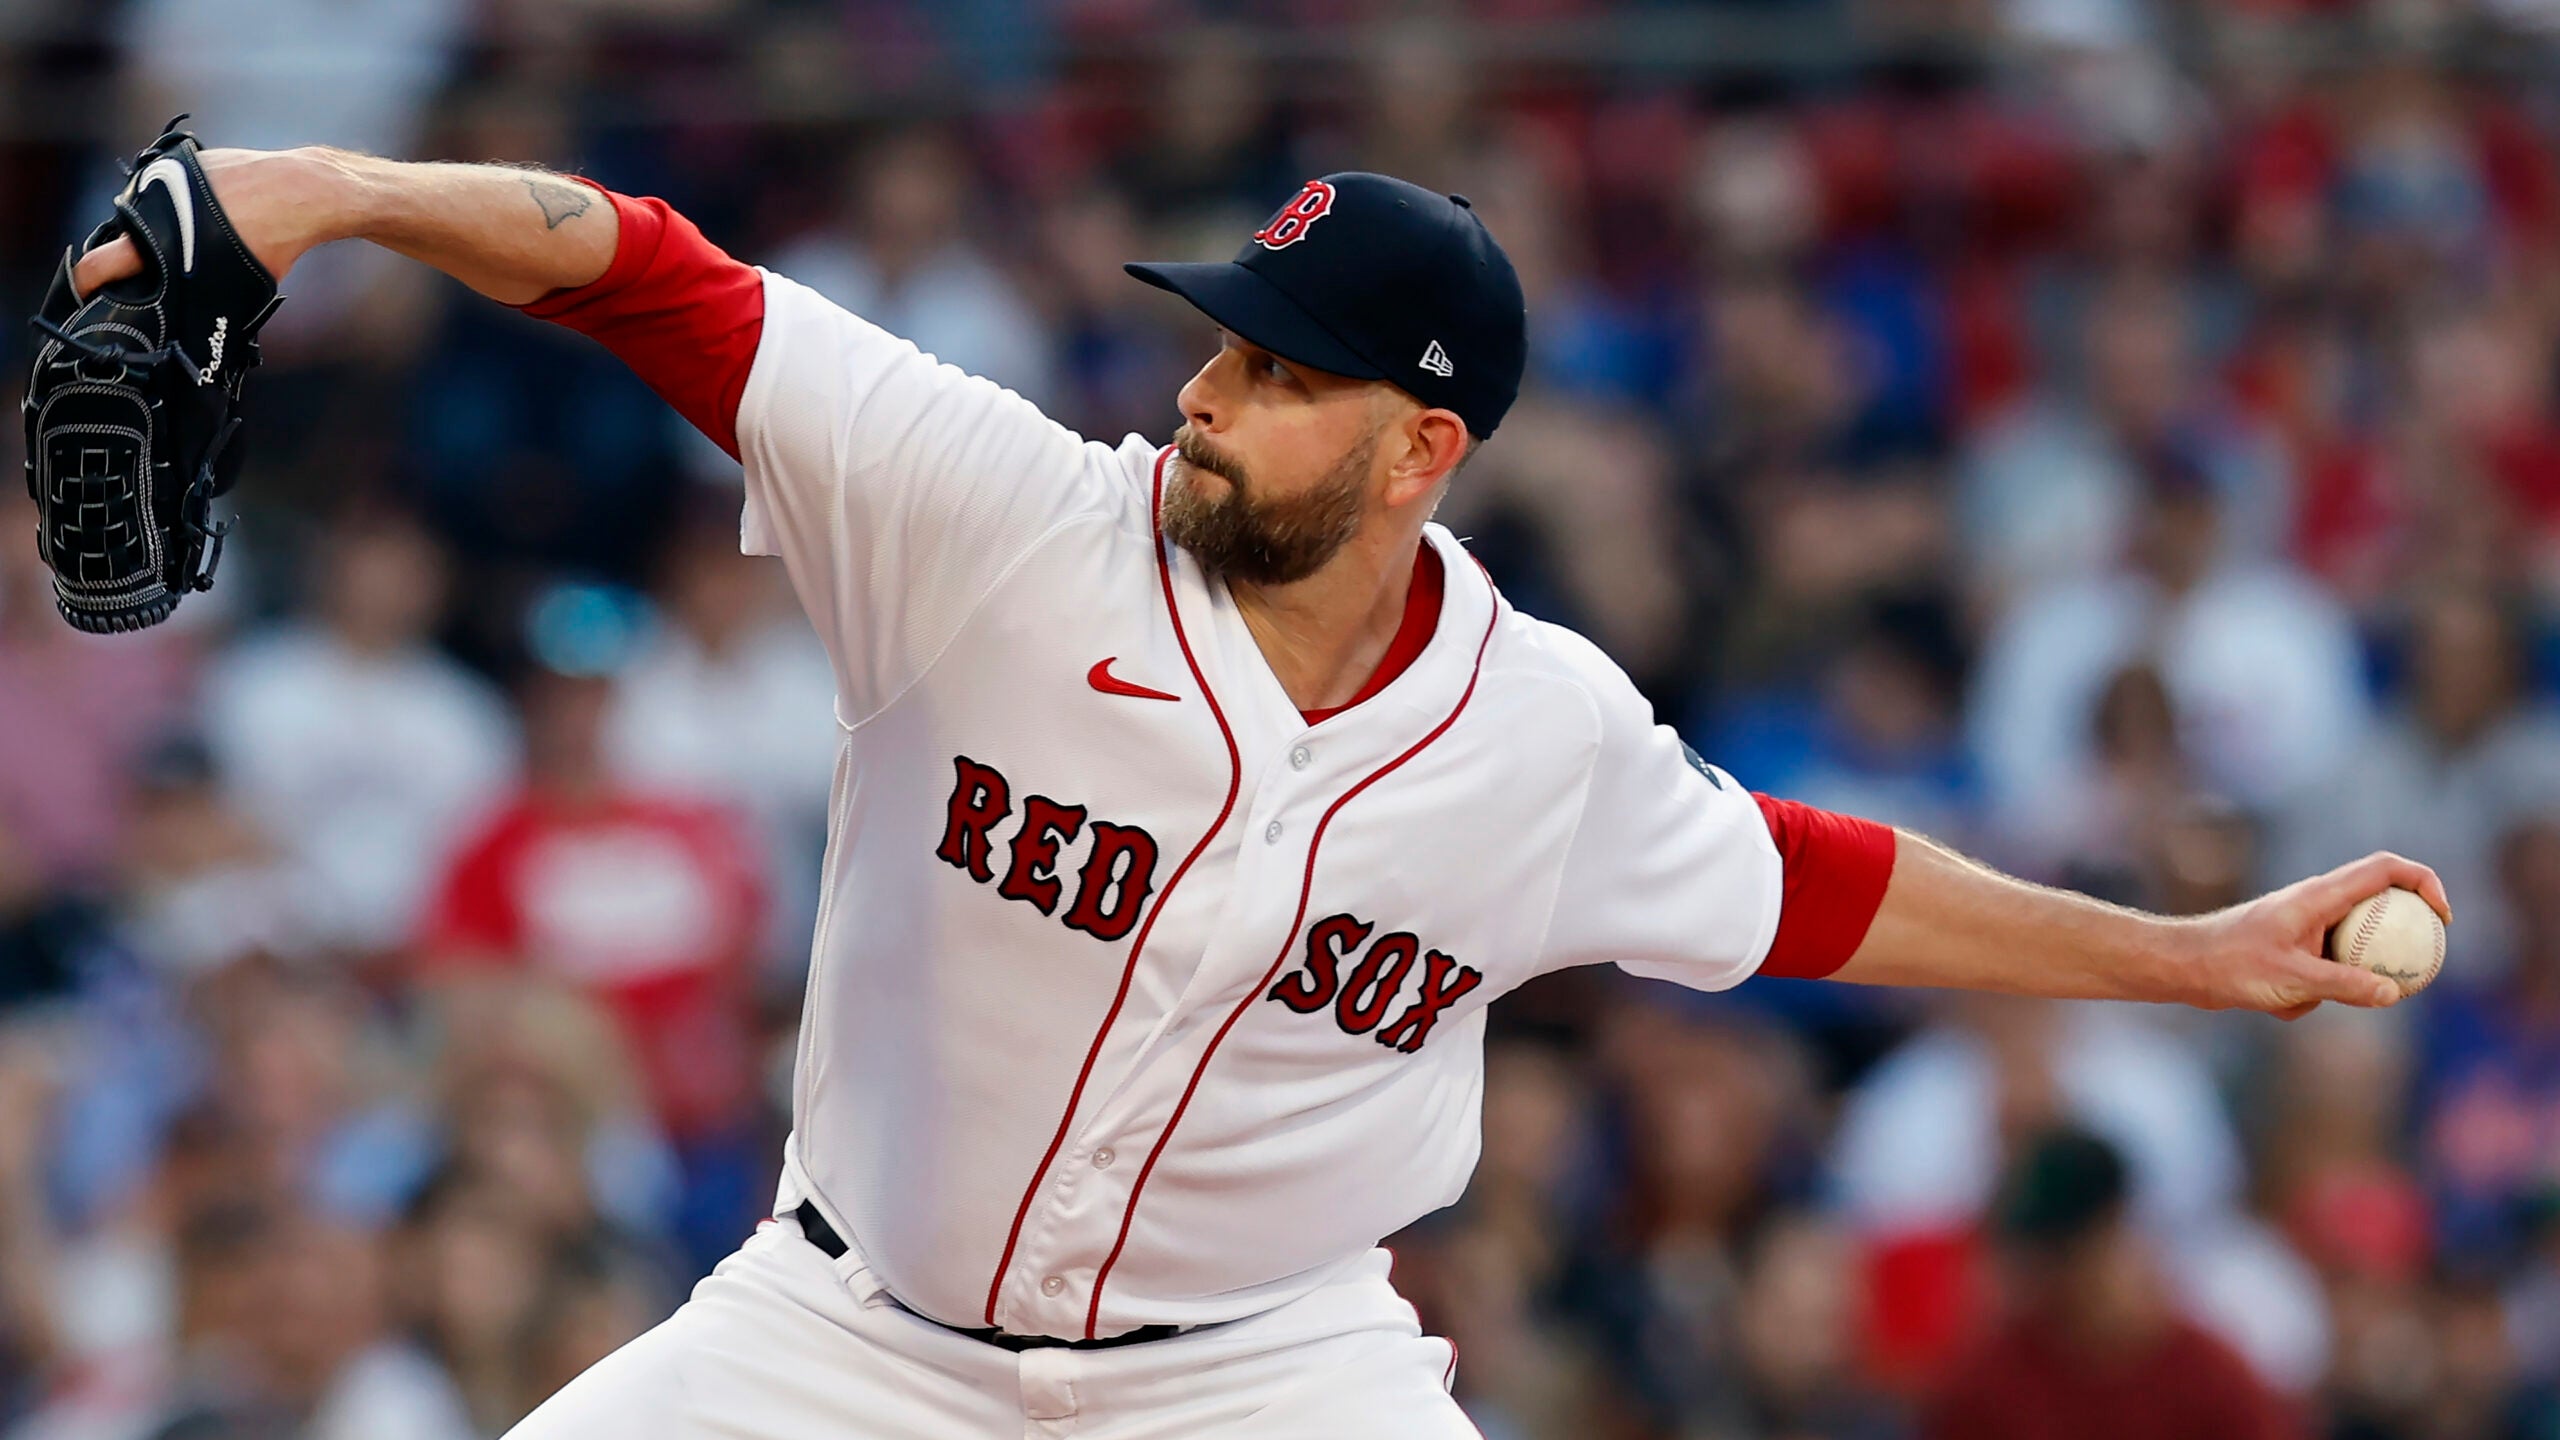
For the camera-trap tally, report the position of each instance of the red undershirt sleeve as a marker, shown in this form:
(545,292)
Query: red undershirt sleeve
(675,308)
(1836,868)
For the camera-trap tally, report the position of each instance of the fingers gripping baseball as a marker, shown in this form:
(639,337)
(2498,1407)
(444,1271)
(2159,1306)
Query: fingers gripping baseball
(2277,960)
(2315,979)
(2329,897)
(2289,983)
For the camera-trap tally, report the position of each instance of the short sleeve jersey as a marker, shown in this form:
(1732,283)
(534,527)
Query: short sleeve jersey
(1135,996)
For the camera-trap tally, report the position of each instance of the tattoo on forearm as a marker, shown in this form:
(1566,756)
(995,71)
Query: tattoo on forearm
(559,202)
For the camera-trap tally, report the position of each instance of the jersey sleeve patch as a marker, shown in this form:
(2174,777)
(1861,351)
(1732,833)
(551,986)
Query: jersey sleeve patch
(1699,763)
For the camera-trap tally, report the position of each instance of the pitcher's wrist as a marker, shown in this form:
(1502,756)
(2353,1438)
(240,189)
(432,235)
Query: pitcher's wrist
(349,193)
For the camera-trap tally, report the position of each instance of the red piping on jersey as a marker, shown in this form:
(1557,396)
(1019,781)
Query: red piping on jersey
(1413,633)
(1288,945)
(1137,947)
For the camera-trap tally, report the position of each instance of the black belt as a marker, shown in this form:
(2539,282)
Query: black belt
(823,1235)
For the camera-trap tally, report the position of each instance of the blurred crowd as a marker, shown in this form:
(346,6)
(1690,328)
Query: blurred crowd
(2119,437)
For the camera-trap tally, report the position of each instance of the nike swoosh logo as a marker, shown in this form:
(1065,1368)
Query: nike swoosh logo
(1101,678)
(167,171)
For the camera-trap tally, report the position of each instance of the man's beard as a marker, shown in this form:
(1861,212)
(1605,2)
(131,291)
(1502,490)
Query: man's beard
(1266,542)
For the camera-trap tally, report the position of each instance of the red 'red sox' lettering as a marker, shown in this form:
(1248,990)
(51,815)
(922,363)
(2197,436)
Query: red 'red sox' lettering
(1362,999)
(1444,980)
(1312,986)
(1112,885)
(1109,894)
(1046,825)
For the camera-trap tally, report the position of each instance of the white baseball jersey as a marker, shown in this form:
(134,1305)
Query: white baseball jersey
(1135,998)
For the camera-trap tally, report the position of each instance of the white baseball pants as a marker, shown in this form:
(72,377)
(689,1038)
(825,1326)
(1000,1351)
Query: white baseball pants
(782,1343)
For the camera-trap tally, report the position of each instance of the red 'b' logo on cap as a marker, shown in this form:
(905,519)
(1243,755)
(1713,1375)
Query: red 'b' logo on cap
(1290,226)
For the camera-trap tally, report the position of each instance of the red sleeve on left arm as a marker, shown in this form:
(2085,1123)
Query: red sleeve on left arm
(683,315)
(1836,869)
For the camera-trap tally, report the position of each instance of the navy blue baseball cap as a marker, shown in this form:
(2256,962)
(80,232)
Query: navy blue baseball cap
(1367,276)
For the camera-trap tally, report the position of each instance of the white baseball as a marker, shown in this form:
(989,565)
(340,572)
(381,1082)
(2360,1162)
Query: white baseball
(2396,935)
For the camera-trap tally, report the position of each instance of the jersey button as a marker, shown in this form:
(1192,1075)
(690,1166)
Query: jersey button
(1053,1286)
(1103,1157)
(1299,757)
(1271,833)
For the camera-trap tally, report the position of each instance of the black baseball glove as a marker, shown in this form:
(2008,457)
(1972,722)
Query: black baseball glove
(133,409)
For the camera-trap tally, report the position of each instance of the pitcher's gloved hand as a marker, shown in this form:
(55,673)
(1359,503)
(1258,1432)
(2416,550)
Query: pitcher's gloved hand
(133,407)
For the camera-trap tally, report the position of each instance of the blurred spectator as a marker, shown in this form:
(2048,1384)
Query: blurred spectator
(288,1072)
(1489,1275)
(273,74)
(2105,834)
(537,1089)
(2331,1105)
(1213,162)
(530,451)
(650,903)
(1416,112)
(594,1300)
(1799,1320)
(77,709)
(2050,491)
(647,902)
(1589,340)
(2532,1299)
(50,939)
(1124,349)
(1880,736)
(1712,1113)
(352,742)
(1601,549)
(1785,384)
(116,1058)
(2489,1089)
(33,1338)
(1924,1137)
(512,1307)
(900,256)
(200,885)
(1922,1141)
(2091,1345)
(1876,732)
(2458,484)
(2261,666)
(281,1319)
(732,699)
(279,1331)
(470,1263)
(2410,192)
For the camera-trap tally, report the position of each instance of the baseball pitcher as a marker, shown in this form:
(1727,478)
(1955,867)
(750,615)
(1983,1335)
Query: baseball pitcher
(1192,803)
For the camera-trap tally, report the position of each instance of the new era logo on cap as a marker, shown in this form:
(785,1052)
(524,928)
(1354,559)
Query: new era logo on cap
(1436,360)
